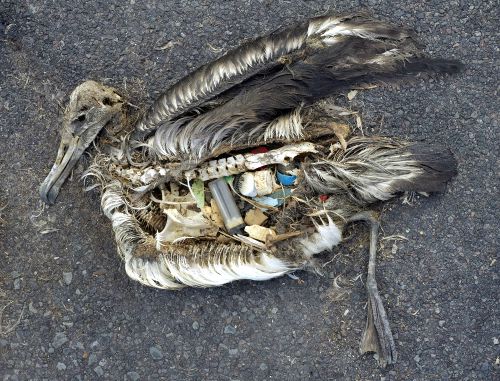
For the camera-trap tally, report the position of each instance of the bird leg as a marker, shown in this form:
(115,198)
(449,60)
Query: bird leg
(377,336)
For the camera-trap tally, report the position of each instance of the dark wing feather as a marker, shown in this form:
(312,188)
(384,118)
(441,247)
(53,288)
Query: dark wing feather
(251,107)
(284,46)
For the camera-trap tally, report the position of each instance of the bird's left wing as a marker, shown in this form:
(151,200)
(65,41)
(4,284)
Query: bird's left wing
(282,47)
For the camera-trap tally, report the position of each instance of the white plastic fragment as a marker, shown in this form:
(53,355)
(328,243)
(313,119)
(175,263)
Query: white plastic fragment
(264,182)
(259,233)
(246,185)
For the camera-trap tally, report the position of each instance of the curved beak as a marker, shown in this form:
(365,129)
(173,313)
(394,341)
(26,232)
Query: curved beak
(67,157)
(91,107)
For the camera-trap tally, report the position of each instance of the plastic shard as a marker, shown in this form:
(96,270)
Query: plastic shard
(255,217)
(259,233)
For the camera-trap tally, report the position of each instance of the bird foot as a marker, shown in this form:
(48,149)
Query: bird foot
(377,336)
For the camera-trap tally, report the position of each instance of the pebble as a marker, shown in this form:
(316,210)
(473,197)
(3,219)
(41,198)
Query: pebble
(92,358)
(394,249)
(68,278)
(263,366)
(99,371)
(485,366)
(233,352)
(15,274)
(441,322)
(417,358)
(229,329)
(59,340)
(199,350)
(61,366)
(132,376)
(196,325)
(17,283)
(31,308)
(156,353)
(495,341)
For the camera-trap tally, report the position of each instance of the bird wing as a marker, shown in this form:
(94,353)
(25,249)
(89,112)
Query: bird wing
(277,49)
(266,107)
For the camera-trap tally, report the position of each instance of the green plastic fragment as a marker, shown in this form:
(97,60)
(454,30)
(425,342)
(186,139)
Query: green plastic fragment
(198,189)
(229,179)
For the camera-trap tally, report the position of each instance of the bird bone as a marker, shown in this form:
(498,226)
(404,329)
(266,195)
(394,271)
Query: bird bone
(217,168)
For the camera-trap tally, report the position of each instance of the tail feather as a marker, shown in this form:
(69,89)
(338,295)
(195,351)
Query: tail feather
(437,166)
(433,65)
(375,169)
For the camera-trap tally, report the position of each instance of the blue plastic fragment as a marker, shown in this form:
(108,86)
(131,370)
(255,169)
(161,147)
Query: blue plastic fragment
(268,201)
(274,199)
(285,179)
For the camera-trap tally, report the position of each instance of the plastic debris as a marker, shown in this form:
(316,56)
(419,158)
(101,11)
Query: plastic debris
(351,94)
(260,150)
(285,179)
(227,206)
(264,182)
(212,212)
(259,183)
(268,201)
(281,194)
(255,217)
(259,233)
(246,185)
(198,189)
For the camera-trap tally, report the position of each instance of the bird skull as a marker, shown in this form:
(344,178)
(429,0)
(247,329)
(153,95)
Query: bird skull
(91,107)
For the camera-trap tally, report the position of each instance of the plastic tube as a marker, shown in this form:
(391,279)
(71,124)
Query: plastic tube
(225,201)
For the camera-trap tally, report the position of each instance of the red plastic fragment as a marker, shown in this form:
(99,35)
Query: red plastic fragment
(323,197)
(260,150)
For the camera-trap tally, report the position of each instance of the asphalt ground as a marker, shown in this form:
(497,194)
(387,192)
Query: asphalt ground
(68,310)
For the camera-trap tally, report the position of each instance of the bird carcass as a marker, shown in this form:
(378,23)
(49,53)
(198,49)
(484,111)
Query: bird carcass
(246,168)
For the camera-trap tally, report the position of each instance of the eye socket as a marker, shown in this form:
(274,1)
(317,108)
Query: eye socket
(107,102)
(81,118)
